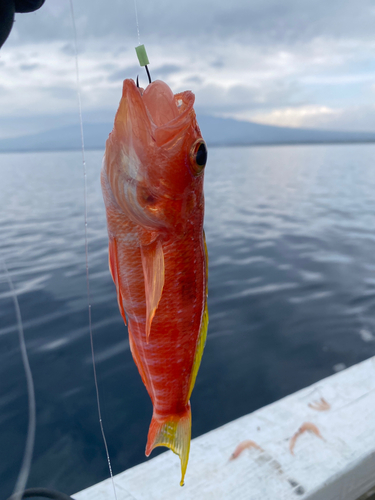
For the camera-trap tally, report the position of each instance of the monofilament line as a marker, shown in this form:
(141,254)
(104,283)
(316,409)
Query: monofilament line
(136,19)
(29,447)
(87,246)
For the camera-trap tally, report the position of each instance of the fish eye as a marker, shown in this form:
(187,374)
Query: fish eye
(198,157)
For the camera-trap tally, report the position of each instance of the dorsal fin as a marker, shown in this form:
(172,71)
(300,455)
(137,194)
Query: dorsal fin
(153,272)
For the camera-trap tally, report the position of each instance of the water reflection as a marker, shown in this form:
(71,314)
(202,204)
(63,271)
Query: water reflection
(291,298)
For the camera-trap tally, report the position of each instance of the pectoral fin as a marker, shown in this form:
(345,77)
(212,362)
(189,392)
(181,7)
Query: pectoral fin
(153,271)
(114,268)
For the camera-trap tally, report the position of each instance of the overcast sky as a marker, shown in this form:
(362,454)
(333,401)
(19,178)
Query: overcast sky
(296,63)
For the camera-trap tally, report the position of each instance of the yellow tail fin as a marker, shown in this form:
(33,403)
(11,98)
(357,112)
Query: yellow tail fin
(174,432)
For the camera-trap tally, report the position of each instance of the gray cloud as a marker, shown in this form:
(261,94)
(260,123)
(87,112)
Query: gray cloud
(29,67)
(62,92)
(214,99)
(166,70)
(194,80)
(307,62)
(122,73)
(258,21)
(68,49)
(218,63)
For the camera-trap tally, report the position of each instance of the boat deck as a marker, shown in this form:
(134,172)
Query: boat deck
(333,459)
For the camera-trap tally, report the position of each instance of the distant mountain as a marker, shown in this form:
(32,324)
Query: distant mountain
(229,132)
(216,132)
(60,139)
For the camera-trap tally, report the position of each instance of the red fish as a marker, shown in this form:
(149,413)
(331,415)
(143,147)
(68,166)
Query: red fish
(152,182)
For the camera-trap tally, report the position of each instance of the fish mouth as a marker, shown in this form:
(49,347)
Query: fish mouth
(157,110)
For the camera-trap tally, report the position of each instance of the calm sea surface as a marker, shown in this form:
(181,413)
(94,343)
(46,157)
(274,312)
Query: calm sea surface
(291,241)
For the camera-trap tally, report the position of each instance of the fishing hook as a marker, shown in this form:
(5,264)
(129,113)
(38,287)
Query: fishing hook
(148,74)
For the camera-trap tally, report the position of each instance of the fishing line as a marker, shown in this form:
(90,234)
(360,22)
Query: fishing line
(29,447)
(87,246)
(136,19)
(140,50)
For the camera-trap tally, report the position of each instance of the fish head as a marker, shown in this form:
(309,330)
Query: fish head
(155,157)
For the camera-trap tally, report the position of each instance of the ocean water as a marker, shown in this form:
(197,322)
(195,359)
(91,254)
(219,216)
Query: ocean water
(291,241)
